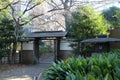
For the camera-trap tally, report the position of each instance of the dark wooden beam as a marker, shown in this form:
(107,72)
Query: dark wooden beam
(56,48)
(36,50)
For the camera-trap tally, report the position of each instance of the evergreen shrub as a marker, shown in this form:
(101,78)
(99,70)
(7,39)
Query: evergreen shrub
(100,67)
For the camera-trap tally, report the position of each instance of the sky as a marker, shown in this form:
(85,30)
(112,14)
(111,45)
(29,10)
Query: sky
(104,6)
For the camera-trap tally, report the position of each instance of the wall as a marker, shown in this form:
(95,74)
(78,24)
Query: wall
(115,33)
(27,54)
(27,46)
(65,45)
(65,50)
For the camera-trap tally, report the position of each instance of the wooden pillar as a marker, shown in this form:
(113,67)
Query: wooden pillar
(56,48)
(36,50)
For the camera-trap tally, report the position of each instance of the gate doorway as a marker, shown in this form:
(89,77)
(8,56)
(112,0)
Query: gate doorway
(54,36)
(46,51)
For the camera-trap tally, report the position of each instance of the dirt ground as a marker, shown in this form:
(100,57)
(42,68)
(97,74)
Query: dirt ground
(25,72)
(4,67)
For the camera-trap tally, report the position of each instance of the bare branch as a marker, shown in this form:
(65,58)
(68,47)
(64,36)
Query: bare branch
(48,2)
(4,7)
(36,16)
(71,3)
(31,19)
(13,11)
(66,1)
(52,22)
(60,24)
(27,7)
(54,4)
(33,6)
(62,1)
(55,9)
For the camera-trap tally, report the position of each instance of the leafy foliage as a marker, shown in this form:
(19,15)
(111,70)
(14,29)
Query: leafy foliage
(6,36)
(45,49)
(113,16)
(19,17)
(100,67)
(87,23)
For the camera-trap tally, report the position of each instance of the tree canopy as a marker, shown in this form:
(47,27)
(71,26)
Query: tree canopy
(16,18)
(87,23)
(6,34)
(113,16)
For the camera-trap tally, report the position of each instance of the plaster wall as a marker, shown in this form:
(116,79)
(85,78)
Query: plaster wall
(65,45)
(28,46)
(115,33)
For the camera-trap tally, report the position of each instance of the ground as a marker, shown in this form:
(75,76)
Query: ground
(26,72)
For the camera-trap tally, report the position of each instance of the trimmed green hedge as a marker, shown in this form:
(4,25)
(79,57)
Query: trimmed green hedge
(99,67)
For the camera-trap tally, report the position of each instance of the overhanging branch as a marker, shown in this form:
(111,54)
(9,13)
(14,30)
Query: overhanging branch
(36,16)
(12,3)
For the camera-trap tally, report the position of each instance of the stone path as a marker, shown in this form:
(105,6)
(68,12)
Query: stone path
(28,72)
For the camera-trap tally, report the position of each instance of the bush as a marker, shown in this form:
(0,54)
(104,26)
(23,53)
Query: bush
(45,49)
(99,67)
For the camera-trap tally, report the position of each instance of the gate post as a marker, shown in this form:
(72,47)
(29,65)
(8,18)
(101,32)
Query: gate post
(36,50)
(56,48)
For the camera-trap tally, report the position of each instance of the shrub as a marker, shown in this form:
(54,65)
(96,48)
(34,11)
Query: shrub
(45,49)
(99,67)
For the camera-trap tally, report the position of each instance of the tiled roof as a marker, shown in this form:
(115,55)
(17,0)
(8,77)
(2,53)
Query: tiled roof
(47,34)
(100,40)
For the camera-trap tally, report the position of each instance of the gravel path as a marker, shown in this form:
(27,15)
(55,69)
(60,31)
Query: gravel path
(28,72)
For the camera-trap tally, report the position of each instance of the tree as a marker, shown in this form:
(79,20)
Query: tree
(6,31)
(113,16)
(22,17)
(19,17)
(61,12)
(6,36)
(60,8)
(87,23)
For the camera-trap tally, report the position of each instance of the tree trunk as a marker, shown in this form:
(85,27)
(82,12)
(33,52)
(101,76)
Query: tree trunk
(67,14)
(14,51)
(67,22)
(16,35)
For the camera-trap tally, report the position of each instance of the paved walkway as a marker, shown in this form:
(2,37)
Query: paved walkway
(28,72)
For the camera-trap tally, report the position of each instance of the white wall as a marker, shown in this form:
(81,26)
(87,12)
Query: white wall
(27,46)
(64,45)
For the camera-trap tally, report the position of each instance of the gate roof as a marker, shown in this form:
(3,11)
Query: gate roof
(47,34)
